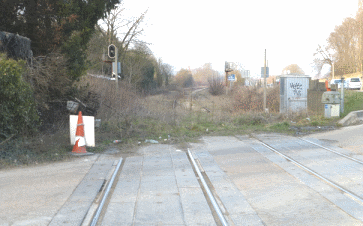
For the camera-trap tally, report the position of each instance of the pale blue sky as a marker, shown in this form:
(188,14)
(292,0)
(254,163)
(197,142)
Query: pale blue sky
(190,33)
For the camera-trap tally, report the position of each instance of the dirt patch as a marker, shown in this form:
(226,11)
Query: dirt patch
(305,130)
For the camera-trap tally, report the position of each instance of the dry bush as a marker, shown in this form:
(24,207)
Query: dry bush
(48,77)
(112,105)
(52,88)
(216,86)
(251,99)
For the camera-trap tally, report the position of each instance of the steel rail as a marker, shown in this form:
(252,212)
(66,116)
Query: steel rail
(209,193)
(99,209)
(331,183)
(328,149)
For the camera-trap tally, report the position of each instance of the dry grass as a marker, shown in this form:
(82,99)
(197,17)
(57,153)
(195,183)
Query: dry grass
(182,115)
(112,105)
(247,99)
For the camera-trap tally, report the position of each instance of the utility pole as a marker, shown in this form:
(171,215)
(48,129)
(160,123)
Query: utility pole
(360,7)
(264,86)
(342,96)
(116,59)
(332,70)
(227,69)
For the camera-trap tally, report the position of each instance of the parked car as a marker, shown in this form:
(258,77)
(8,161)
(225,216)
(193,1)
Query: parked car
(339,82)
(354,83)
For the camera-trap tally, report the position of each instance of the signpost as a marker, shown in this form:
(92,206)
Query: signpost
(232,78)
(263,71)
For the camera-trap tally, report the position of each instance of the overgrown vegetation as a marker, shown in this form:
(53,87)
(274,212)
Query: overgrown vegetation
(216,85)
(54,25)
(184,78)
(174,116)
(18,109)
(150,103)
(251,99)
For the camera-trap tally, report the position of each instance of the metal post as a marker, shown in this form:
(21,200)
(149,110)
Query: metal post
(116,59)
(264,86)
(333,70)
(342,96)
(226,83)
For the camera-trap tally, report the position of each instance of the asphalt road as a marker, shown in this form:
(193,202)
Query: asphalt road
(350,137)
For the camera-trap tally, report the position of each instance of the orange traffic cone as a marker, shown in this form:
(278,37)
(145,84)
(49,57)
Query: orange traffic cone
(80,145)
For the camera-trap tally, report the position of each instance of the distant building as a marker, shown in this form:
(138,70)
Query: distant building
(245,73)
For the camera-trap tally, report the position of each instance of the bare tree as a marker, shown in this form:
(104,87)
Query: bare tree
(202,74)
(127,30)
(293,69)
(324,57)
(134,61)
(343,49)
(115,29)
(344,42)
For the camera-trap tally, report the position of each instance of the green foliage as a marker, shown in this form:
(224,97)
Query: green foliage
(75,50)
(140,67)
(250,120)
(280,127)
(147,82)
(17,107)
(353,101)
(54,24)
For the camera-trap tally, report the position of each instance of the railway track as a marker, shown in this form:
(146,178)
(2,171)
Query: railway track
(173,187)
(219,217)
(162,187)
(335,185)
(336,169)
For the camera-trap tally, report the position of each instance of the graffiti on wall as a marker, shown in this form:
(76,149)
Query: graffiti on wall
(296,88)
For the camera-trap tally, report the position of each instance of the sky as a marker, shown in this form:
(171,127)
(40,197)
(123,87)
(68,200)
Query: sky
(190,33)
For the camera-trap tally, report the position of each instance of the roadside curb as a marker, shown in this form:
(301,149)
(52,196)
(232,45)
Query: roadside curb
(352,118)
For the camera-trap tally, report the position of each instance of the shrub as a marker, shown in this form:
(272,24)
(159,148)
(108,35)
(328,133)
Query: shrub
(251,99)
(216,86)
(17,106)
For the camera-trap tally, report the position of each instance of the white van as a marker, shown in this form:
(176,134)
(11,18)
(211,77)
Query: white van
(354,83)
